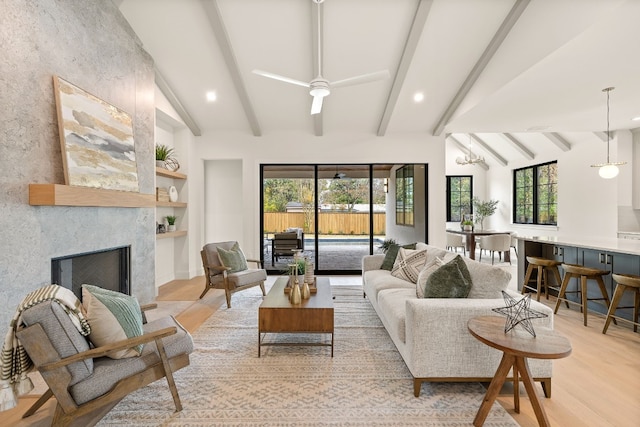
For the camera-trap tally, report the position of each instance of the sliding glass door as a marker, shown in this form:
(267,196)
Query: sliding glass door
(338,211)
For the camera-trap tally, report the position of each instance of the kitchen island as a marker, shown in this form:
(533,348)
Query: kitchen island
(615,255)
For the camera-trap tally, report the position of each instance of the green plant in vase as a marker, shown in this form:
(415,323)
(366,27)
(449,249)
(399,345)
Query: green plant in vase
(483,209)
(165,158)
(171,220)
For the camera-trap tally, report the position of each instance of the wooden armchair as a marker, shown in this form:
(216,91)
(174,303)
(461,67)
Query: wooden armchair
(221,277)
(86,383)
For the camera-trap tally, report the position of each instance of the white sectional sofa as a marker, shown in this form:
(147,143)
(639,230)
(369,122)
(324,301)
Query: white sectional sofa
(431,333)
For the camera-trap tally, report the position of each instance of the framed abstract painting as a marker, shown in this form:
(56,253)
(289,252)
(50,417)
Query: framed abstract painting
(98,149)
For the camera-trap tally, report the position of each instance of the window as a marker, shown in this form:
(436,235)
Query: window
(459,195)
(404,195)
(535,194)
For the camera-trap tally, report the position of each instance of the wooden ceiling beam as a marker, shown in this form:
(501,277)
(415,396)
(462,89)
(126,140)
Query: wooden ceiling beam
(558,140)
(477,70)
(419,20)
(519,146)
(489,150)
(171,96)
(219,29)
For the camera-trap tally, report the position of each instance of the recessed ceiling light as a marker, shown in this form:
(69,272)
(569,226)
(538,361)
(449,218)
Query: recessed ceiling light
(418,97)
(211,96)
(636,118)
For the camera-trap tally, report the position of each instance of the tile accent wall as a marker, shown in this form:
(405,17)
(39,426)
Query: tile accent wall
(90,44)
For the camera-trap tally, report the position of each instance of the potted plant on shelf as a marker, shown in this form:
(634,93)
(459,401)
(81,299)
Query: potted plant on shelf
(171,220)
(165,159)
(483,209)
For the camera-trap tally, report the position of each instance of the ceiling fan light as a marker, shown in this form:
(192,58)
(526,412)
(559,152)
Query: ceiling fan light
(608,171)
(319,91)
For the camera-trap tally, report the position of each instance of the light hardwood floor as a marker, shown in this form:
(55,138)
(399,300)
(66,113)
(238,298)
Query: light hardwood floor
(597,385)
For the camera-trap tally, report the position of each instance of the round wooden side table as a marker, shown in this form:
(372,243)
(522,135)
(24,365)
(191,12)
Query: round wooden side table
(517,345)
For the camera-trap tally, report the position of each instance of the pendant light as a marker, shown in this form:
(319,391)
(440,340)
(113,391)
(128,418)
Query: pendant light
(469,159)
(609,169)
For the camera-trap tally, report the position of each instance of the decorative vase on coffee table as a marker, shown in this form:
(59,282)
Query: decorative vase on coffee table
(296,296)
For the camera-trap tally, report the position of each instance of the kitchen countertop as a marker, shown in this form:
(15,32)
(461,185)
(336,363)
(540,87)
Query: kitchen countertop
(626,246)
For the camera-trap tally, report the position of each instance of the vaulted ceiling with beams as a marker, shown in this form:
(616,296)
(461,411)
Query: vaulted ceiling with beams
(513,76)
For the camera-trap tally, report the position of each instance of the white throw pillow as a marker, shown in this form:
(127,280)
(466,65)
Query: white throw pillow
(408,264)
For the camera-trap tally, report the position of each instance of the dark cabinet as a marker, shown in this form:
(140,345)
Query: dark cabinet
(613,262)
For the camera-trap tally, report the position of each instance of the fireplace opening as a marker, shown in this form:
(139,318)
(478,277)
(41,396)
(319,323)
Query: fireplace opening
(108,269)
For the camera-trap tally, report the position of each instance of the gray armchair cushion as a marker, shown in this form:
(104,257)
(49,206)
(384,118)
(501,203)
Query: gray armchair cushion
(242,278)
(107,372)
(62,333)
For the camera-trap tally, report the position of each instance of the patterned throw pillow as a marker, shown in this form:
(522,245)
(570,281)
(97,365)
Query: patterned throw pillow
(392,254)
(233,258)
(448,281)
(113,316)
(428,269)
(408,264)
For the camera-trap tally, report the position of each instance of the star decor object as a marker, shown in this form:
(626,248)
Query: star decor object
(518,313)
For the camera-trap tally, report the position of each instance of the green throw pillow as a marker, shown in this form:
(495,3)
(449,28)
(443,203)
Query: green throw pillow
(392,254)
(112,316)
(233,259)
(462,265)
(447,282)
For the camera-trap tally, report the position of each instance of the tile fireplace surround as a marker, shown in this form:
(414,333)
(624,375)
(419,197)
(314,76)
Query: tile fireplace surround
(111,65)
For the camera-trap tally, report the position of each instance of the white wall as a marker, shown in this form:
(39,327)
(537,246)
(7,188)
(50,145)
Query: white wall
(241,154)
(224,205)
(587,204)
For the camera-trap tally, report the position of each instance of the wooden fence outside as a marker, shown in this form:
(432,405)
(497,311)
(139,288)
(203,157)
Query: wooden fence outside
(341,223)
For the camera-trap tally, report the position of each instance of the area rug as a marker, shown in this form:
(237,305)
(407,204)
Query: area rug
(366,383)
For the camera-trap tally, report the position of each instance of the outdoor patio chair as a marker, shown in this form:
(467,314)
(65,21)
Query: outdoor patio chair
(232,275)
(286,243)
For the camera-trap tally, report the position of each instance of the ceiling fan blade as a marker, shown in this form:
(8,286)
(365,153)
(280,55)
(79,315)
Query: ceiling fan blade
(281,78)
(364,78)
(316,105)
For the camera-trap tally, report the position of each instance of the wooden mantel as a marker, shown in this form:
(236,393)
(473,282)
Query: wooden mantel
(67,195)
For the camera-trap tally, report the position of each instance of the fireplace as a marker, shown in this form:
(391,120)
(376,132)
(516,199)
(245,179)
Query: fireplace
(108,269)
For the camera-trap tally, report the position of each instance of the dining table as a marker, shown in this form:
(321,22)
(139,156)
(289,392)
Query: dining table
(471,240)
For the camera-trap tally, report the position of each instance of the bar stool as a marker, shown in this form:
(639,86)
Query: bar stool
(583,274)
(624,282)
(543,266)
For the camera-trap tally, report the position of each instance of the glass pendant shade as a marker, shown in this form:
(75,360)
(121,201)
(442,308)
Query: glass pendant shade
(608,171)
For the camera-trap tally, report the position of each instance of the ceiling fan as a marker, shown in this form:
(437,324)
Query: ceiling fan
(320,87)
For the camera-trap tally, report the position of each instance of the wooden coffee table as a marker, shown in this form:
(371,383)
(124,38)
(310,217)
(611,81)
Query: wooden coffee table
(312,316)
(517,345)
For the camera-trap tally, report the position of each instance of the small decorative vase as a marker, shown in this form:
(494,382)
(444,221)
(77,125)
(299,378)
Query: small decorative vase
(173,194)
(296,297)
(308,271)
(306,292)
(171,227)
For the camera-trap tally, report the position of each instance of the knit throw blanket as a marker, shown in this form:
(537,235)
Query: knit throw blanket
(15,361)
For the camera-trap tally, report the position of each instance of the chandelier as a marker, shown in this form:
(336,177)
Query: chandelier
(609,169)
(469,159)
